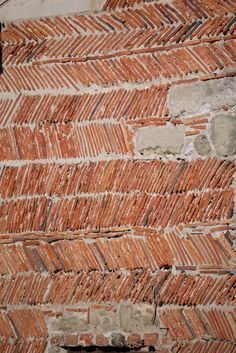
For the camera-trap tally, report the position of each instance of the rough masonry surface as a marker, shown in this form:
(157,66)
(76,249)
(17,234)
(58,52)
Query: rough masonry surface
(117,179)
(160,140)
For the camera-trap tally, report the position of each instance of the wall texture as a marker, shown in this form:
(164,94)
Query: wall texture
(118,140)
(25,9)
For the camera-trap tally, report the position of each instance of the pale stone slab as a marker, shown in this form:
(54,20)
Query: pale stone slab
(25,9)
(202,145)
(160,140)
(202,97)
(223,134)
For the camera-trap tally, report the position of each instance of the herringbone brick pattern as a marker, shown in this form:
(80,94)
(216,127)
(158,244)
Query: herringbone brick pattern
(87,223)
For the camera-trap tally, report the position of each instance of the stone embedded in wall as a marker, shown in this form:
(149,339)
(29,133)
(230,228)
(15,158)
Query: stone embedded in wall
(118,340)
(127,320)
(201,97)
(160,140)
(57,350)
(70,322)
(104,319)
(202,145)
(223,133)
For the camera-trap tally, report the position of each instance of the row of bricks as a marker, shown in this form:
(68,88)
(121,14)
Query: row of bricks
(163,288)
(195,61)
(190,9)
(123,176)
(118,253)
(148,16)
(115,42)
(110,211)
(204,347)
(39,346)
(21,346)
(65,141)
(125,104)
(182,323)
(188,324)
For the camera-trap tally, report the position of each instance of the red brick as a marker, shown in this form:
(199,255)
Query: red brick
(151,339)
(134,339)
(71,340)
(102,340)
(86,339)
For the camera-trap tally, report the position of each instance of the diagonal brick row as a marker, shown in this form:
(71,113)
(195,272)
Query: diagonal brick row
(21,346)
(137,286)
(94,212)
(81,255)
(115,42)
(123,176)
(12,324)
(200,249)
(188,9)
(204,347)
(64,141)
(121,104)
(151,15)
(190,323)
(196,61)
(150,252)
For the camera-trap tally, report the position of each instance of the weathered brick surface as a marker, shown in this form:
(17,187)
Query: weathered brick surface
(152,176)
(103,241)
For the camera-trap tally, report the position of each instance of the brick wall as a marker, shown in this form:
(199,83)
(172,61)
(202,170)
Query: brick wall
(118,141)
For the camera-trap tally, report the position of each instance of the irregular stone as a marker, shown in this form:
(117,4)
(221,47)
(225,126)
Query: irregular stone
(201,97)
(127,321)
(57,350)
(202,145)
(104,320)
(223,134)
(117,340)
(144,317)
(70,323)
(160,140)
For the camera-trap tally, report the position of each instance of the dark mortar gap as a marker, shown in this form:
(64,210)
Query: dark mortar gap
(104,349)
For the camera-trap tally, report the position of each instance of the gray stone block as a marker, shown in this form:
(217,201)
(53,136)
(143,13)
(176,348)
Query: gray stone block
(70,323)
(160,140)
(127,320)
(57,350)
(118,340)
(202,145)
(223,134)
(104,320)
(201,97)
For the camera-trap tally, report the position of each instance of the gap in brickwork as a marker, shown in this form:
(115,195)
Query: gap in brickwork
(106,349)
